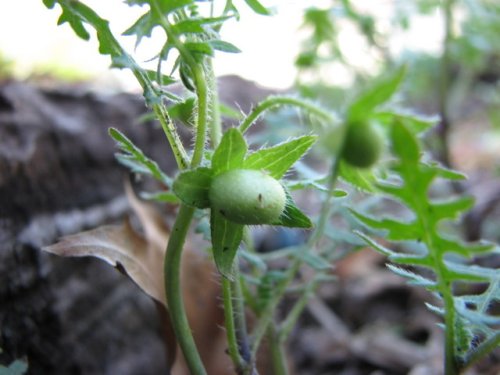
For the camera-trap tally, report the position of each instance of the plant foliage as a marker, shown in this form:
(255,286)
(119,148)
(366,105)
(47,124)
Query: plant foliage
(469,325)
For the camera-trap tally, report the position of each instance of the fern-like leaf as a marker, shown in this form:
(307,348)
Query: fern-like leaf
(471,329)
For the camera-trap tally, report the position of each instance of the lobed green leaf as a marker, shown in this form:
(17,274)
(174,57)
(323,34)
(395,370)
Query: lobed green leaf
(192,187)
(278,159)
(293,217)
(376,95)
(226,238)
(257,7)
(362,179)
(230,153)
(134,158)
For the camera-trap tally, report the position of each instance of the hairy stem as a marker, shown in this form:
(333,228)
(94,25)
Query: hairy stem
(240,321)
(232,340)
(215,117)
(185,215)
(277,353)
(172,136)
(175,301)
(296,311)
(276,101)
(201,127)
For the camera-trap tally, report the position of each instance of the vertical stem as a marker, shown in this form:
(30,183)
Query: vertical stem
(232,340)
(215,117)
(175,301)
(451,364)
(277,353)
(239,316)
(444,84)
(201,127)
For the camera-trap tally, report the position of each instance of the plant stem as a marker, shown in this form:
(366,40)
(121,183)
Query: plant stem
(175,301)
(172,136)
(201,127)
(232,340)
(444,84)
(215,117)
(125,60)
(451,363)
(185,215)
(239,317)
(297,309)
(274,101)
(277,353)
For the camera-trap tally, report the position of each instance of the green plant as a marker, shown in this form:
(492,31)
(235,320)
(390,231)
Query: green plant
(236,188)
(469,324)
(362,146)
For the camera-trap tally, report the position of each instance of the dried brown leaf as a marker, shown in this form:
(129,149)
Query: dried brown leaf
(119,245)
(141,257)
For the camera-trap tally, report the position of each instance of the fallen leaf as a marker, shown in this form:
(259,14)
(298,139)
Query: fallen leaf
(141,258)
(119,245)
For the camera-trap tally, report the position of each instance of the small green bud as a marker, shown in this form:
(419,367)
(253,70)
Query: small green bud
(362,145)
(247,196)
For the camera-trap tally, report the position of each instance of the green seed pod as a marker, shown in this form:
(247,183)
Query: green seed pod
(247,196)
(362,145)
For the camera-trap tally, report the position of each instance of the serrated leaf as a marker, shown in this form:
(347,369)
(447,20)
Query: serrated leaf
(278,159)
(447,173)
(258,8)
(162,79)
(203,48)
(404,144)
(362,179)
(311,184)
(192,26)
(375,245)
(471,272)
(107,42)
(141,28)
(397,230)
(226,238)
(451,209)
(414,278)
(229,112)
(416,123)
(293,217)
(75,23)
(192,187)
(183,111)
(230,153)
(314,261)
(379,93)
(49,3)
(171,5)
(223,46)
(135,159)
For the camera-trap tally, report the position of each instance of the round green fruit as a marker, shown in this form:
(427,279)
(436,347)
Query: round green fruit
(247,196)
(362,145)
